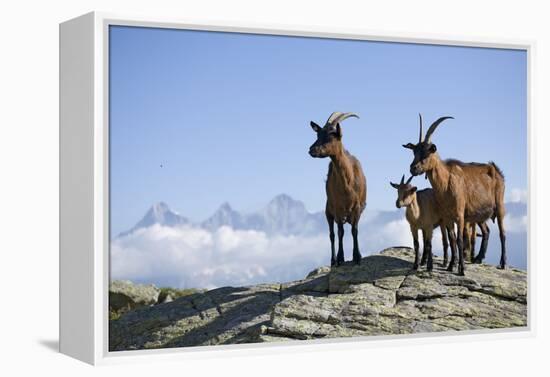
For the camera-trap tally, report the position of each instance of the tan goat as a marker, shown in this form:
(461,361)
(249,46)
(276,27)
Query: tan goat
(423,214)
(466,193)
(346,186)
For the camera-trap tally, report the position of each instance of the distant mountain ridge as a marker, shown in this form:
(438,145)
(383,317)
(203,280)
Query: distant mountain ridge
(282,215)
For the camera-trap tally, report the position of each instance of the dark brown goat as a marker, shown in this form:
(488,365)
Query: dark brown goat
(466,193)
(346,186)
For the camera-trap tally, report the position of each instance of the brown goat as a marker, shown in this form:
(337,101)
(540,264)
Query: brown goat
(466,193)
(346,186)
(423,214)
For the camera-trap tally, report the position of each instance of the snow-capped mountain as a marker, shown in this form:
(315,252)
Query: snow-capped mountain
(161,214)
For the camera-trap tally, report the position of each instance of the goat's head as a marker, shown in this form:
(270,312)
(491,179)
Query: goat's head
(405,192)
(424,151)
(329,137)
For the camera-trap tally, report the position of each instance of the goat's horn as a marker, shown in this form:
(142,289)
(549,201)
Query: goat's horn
(420,135)
(409,180)
(402,179)
(337,117)
(432,128)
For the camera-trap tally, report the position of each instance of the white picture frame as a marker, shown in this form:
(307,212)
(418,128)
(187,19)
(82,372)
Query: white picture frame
(84,182)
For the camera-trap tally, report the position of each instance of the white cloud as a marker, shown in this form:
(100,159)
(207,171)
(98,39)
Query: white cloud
(515,224)
(191,257)
(517,196)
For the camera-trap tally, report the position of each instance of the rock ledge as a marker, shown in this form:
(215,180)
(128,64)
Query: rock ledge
(382,296)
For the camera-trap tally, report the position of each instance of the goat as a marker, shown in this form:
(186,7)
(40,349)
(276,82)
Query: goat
(423,214)
(466,193)
(346,185)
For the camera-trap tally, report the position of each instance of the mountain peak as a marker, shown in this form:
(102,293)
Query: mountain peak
(160,208)
(159,213)
(225,207)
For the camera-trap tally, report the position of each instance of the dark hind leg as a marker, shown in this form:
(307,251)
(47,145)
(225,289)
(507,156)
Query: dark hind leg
(460,243)
(452,239)
(427,235)
(340,256)
(424,253)
(356,252)
(502,233)
(445,240)
(330,220)
(484,242)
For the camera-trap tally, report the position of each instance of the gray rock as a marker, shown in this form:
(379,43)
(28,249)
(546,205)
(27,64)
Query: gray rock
(125,295)
(382,296)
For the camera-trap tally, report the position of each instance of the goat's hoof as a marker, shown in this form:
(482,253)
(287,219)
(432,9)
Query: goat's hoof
(422,262)
(357,262)
(477,261)
(332,263)
(415,267)
(460,271)
(502,267)
(430,268)
(450,267)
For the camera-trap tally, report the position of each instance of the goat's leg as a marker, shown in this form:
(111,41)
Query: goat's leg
(416,248)
(356,252)
(460,241)
(340,256)
(424,253)
(452,237)
(445,240)
(330,220)
(467,240)
(500,219)
(427,235)
(472,254)
(484,242)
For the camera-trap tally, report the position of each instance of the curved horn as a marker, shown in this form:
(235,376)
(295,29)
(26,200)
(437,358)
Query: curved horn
(337,117)
(409,180)
(432,128)
(402,179)
(420,135)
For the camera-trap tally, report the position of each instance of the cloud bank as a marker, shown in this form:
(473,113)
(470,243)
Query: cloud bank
(190,256)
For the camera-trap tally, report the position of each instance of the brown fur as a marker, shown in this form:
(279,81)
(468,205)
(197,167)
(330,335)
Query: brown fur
(346,187)
(466,192)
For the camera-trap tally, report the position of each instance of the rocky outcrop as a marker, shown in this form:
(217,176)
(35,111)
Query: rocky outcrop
(124,295)
(382,296)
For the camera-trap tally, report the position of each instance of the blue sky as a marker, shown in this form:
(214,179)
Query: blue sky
(227,115)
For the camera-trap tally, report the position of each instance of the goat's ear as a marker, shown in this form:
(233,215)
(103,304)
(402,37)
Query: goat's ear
(433,148)
(338,131)
(413,189)
(409,146)
(315,126)
(394,185)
